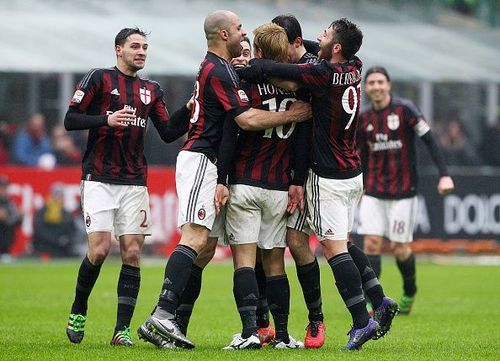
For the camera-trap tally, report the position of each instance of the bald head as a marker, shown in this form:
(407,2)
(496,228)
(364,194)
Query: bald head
(216,21)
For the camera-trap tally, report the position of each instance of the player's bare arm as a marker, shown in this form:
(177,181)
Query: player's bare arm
(256,119)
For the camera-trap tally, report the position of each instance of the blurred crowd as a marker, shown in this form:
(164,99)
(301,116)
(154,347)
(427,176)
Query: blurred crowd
(34,144)
(56,231)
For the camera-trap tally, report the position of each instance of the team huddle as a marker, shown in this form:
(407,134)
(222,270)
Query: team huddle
(271,156)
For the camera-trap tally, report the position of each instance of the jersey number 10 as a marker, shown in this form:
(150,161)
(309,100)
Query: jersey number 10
(281,107)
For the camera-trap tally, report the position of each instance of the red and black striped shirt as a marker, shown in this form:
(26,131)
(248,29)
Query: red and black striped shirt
(386,139)
(335,91)
(217,96)
(265,158)
(116,155)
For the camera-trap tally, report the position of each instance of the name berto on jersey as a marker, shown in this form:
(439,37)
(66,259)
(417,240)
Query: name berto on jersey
(349,78)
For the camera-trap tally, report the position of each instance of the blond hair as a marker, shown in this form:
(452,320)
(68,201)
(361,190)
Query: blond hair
(271,39)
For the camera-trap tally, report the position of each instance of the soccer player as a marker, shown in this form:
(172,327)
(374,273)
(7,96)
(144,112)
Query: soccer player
(257,208)
(297,234)
(334,185)
(220,106)
(115,104)
(389,206)
(193,287)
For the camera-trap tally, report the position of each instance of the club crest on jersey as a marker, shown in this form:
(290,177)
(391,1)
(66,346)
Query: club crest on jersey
(145,95)
(393,121)
(369,128)
(78,96)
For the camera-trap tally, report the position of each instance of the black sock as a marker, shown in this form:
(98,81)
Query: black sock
(309,279)
(188,298)
(87,276)
(375,262)
(246,293)
(408,271)
(262,307)
(348,282)
(127,291)
(278,296)
(369,280)
(177,272)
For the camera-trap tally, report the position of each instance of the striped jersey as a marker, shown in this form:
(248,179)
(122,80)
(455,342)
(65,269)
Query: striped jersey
(265,158)
(116,155)
(386,139)
(335,92)
(217,95)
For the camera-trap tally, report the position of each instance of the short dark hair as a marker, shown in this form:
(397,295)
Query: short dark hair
(247,39)
(377,69)
(348,35)
(123,34)
(291,26)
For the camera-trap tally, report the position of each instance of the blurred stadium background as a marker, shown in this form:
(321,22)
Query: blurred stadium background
(443,54)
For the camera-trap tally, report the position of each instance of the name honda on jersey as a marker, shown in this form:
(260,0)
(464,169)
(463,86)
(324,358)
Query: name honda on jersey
(270,89)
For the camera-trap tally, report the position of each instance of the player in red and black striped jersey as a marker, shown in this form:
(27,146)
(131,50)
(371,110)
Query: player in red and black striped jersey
(115,105)
(386,138)
(297,234)
(335,185)
(220,106)
(257,208)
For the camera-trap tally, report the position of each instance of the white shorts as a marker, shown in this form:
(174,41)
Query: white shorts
(256,215)
(195,181)
(299,220)
(393,219)
(332,203)
(122,209)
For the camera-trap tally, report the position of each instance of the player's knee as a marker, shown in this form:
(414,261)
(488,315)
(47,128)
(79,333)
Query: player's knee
(132,256)
(98,254)
(372,245)
(401,251)
(274,269)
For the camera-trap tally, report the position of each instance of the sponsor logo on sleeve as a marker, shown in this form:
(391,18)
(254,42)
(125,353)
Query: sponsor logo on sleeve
(78,96)
(243,96)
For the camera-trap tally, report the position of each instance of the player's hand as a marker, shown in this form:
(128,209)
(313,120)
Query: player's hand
(445,185)
(221,196)
(300,111)
(121,118)
(295,199)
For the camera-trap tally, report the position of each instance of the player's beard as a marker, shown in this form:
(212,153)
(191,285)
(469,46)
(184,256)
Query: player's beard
(326,51)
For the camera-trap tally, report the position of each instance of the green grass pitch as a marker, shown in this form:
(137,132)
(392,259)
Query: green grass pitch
(455,317)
